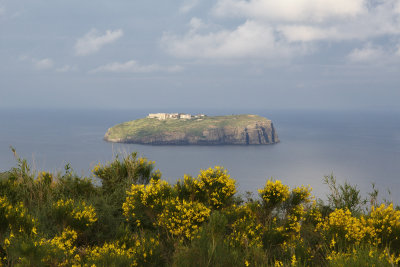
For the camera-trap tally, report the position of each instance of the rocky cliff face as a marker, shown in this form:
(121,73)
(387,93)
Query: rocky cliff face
(254,133)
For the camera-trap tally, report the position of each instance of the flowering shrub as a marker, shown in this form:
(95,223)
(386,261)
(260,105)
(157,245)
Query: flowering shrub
(15,218)
(213,187)
(131,170)
(384,223)
(78,215)
(246,231)
(137,219)
(58,251)
(300,195)
(274,193)
(137,251)
(216,185)
(183,218)
(144,202)
(341,226)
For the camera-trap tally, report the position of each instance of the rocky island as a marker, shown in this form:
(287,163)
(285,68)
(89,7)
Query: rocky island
(186,129)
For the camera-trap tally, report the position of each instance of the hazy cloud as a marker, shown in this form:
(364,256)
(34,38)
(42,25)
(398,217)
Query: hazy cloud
(134,67)
(304,33)
(188,5)
(366,54)
(38,64)
(196,24)
(93,41)
(397,7)
(251,39)
(376,54)
(284,28)
(43,64)
(66,68)
(288,10)
(2,11)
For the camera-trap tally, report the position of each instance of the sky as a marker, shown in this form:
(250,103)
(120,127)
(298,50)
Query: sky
(177,54)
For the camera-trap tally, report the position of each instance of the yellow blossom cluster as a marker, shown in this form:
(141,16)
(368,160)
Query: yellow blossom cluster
(246,231)
(385,224)
(15,218)
(58,251)
(274,193)
(212,187)
(138,253)
(381,228)
(65,241)
(340,225)
(294,218)
(301,194)
(149,197)
(313,214)
(217,185)
(78,214)
(183,218)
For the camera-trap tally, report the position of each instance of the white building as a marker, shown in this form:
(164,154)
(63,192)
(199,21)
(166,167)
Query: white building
(160,116)
(185,116)
(164,116)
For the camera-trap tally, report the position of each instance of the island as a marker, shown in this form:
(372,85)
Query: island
(187,129)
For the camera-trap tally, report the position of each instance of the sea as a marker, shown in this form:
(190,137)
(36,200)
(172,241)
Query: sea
(360,147)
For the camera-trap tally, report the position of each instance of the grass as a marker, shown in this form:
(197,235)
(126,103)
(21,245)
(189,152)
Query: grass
(147,127)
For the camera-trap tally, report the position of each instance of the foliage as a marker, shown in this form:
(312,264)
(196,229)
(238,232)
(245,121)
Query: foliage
(144,203)
(133,218)
(344,196)
(137,250)
(182,219)
(131,170)
(77,215)
(213,187)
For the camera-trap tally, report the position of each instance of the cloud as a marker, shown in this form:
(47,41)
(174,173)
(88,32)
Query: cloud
(367,54)
(188,5)
(283,28)
(250,39)
(289,10)
(134,67)
(303,33)
(2,11)
(93,41)
(66,68)
(196,24)
(43,64)
(397,7)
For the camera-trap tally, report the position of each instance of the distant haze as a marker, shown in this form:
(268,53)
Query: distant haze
(308,54)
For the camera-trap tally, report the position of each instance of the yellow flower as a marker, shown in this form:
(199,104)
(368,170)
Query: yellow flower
(293,261)
(274,192)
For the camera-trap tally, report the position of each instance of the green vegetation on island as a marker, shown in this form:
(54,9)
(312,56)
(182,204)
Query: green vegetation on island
(134,218)
(233,129)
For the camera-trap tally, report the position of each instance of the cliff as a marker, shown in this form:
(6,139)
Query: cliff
(217,130)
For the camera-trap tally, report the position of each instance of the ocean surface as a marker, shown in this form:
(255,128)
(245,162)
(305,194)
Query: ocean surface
(358,147)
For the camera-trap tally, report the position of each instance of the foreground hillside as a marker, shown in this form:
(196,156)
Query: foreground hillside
(134,218)
(216,130)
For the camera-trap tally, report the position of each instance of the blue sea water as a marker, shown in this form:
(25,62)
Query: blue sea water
(360,147)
